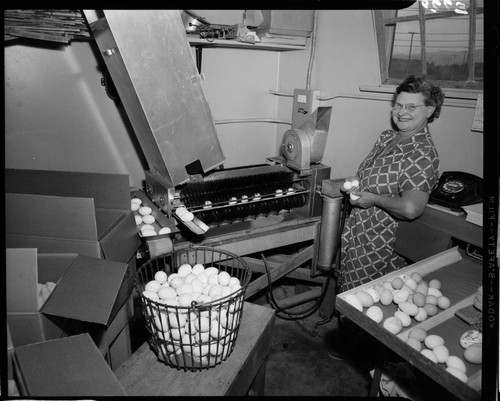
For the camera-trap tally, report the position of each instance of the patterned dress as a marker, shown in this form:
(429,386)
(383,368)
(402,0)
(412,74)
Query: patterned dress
(369,235)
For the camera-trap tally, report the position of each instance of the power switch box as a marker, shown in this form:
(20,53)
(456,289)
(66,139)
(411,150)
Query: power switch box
(305,102)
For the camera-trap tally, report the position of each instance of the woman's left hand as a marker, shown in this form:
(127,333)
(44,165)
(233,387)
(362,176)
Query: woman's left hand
(364,200)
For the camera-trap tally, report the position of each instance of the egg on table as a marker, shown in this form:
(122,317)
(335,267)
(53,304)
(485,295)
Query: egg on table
(474,353)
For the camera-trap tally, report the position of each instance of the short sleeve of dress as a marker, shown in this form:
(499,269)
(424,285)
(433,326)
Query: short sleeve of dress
(420,171)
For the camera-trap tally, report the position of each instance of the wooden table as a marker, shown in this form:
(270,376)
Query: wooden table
(433,232)
(144,375)
(460,278)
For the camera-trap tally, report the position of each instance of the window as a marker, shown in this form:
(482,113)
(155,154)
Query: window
(443,39)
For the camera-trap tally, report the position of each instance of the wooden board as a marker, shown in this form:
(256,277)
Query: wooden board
(460,278)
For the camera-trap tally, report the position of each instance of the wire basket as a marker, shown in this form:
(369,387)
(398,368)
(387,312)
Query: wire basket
(197,328)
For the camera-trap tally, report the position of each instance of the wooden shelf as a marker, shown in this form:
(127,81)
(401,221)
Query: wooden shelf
(235,44)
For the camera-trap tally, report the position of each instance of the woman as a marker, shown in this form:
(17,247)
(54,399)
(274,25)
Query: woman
(395,181)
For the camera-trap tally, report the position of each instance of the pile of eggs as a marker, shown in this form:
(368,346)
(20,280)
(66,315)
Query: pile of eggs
(144,219)
(198,330)
(415,297)
(433,347)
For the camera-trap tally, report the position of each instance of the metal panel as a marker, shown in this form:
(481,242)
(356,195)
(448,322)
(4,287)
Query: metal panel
(151,64)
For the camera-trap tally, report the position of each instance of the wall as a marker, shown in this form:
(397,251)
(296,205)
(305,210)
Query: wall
(59,117)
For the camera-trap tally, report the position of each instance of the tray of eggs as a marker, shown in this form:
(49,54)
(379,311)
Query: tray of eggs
(413,312)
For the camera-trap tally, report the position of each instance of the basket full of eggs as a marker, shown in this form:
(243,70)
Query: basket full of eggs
(192,300)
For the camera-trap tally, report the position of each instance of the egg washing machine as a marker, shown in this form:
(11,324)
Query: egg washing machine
(244,210)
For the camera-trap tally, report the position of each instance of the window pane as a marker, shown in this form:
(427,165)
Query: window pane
(479,49)
(406,51)
(447,48)
(446,43)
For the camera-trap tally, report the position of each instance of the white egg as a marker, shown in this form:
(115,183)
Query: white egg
(433,340)
(374,294)
(279,192)
(161,276)
(429,354)
(393,324)
(355,183)
(442,353)
(234,281)
(352,300)
(400,296)
(148,233)
(211,270)
(152,286)
(404,317)
(421,315)
(167,293)
(164,230)
(184,269)
(138,219)
(458,374)
(180,210)
(386,297)
(434,291)
(187,216)
(408,308)
(208,205)
(244,198)
(354,197)
(474,353)
(148,219)
(365,299)
(135,206)
(224,278)
(375,313)
(347,185)
(455,362)
(145,210)
(415,344)
(198,268)
(147,227)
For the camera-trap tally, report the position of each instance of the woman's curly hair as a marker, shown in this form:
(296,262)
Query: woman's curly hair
(433,94)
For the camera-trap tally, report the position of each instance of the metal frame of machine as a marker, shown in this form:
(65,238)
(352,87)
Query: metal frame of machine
(160,89)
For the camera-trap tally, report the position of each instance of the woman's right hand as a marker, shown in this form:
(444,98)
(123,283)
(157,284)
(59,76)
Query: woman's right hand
(347,186)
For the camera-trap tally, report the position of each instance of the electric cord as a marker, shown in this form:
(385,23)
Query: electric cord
(287,315)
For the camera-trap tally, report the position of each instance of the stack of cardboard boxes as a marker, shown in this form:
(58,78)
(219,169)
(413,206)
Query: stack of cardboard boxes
(76,230)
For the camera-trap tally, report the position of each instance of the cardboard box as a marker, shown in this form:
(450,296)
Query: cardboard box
(86,294)
(70,212)
(66,367)
(287,22)
(114,340)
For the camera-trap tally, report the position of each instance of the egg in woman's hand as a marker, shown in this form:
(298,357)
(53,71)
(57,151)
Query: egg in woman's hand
(347,185)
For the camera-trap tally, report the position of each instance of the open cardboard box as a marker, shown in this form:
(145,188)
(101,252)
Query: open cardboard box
(65,367)
(85,296)
(72,212)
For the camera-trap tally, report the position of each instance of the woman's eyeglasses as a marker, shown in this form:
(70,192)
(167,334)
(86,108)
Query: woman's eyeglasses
(409,107)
